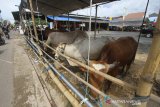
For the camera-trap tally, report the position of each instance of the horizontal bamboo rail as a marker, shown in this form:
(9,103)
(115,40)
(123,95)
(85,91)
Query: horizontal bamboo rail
(108,77)
(62,88)
(86,83)
(62,78)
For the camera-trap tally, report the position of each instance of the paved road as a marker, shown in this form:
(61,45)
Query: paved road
(6,74)
(117,34)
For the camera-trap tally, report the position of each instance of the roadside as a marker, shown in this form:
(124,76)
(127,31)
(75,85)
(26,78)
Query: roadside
(27,88)
(19,84)
(6,73)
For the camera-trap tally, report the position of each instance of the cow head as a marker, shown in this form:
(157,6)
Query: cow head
(60,49)
(97,80)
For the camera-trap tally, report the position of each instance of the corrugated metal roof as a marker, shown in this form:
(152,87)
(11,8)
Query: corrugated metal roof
(57,7)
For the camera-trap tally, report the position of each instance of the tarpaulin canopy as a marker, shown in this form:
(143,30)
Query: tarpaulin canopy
(57,18)
(75,18)
(57,7)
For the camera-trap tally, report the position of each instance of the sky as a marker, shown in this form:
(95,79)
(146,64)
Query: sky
(117,8)
(123,7)
(6,7)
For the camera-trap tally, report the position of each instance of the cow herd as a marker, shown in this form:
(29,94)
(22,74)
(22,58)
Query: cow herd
(111,56)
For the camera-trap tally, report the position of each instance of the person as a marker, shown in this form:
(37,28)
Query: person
(6,31)
(2,41)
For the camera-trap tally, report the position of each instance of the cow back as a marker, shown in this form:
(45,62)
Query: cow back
(122,50)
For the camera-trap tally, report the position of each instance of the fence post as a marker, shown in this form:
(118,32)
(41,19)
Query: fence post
(150,68)
(33,20)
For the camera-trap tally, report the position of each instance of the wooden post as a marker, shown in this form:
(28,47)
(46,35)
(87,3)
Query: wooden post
(68,23)
(153,60)
(82,26)
(158,73)
(99,27)
(33,20)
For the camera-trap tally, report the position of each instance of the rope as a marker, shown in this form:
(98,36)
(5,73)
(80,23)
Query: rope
(89,42)
(141,98)
(83,101)
(120,82)
(80,79)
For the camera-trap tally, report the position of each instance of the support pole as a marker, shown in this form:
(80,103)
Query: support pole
(68,24)
(89,42)
(151,65)
(33,20)
(46,20)
(99,27)
(95,26)
(82,26)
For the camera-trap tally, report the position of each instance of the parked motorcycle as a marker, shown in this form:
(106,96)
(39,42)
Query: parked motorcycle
(6,32)
(2,41)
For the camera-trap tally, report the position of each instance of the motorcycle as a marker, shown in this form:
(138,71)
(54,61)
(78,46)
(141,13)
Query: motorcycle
(2,41)
(6,34)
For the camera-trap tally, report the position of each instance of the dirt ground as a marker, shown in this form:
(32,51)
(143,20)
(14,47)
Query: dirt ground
(132,77)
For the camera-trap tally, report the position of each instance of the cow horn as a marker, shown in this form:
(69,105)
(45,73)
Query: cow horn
(113,64)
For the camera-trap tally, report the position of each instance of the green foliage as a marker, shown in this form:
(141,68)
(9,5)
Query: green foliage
(39,21)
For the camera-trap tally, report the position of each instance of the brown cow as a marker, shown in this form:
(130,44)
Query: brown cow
(122,51)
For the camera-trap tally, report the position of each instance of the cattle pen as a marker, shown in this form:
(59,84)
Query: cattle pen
(76,98)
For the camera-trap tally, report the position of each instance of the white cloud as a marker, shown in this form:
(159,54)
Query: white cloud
(7,6)
(117,8)
(110,9)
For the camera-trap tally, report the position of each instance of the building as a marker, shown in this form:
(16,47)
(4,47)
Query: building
(132,19)
(81,22)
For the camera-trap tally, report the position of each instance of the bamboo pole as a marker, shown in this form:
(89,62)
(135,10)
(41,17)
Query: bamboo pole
(158,73)
(33,20)
(39,49)
(146,82)
(63,89)
(113,79)
(92,70)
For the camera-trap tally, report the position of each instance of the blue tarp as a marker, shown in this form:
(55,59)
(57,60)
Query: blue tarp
(62,18)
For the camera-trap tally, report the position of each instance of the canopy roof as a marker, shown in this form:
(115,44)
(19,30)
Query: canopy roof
(58,18)
(57,7)
(76,18)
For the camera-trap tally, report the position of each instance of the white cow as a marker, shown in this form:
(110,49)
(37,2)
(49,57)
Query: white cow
(55,38)
(79,49)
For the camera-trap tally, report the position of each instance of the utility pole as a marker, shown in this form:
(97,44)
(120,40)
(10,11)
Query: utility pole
(124,14)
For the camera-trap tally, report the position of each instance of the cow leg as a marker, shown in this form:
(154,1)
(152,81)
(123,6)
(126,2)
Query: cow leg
(126,69)
(97,82)
(107,85)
